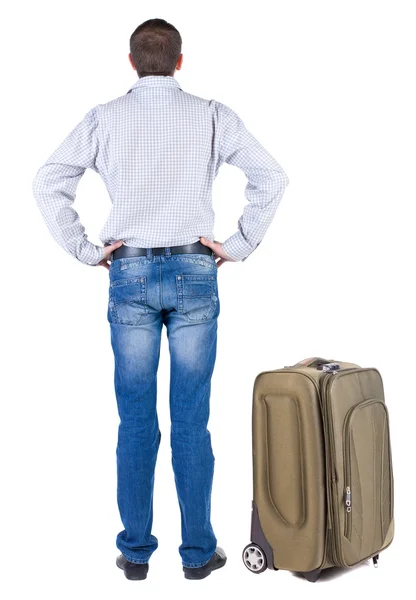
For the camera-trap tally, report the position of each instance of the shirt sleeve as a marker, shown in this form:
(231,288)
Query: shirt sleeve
(54,188)
(265,187)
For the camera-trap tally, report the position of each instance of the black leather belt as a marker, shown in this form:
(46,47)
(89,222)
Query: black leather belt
(127,251)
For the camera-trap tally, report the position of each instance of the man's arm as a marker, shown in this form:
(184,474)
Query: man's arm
(266,182)
(55,184)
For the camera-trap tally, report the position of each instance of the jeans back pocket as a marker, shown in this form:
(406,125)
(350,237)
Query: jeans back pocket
(127,300)
(197,296)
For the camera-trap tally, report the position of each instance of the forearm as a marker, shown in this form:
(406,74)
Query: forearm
(264,191)
(54,189)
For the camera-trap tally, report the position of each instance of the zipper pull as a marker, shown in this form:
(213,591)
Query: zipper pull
(348,498)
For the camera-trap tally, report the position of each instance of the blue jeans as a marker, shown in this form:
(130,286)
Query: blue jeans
(145,292)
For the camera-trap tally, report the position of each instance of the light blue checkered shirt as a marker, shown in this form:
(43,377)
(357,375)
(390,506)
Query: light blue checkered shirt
(158,150)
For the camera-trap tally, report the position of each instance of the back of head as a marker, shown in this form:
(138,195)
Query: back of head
(155,47)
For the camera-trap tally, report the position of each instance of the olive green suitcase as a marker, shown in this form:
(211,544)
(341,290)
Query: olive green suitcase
(322,468)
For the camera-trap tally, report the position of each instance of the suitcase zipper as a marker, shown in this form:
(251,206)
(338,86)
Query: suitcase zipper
(348,516)
(331,472)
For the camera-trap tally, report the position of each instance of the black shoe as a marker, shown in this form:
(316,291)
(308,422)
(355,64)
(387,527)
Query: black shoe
(217,560)
(132,570)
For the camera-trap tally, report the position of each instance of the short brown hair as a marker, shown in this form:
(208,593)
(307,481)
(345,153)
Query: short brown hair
(155,47)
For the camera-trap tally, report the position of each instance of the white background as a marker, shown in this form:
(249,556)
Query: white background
(328,88)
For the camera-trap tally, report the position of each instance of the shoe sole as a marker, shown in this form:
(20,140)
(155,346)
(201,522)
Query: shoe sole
(194,576)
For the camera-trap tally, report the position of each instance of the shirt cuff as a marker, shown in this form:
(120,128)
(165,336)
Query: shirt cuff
(236,247)
(91,254)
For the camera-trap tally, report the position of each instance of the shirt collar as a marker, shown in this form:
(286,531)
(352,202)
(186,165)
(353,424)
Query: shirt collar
(155,81)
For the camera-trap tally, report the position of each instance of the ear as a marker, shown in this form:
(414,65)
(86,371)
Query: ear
(131,61)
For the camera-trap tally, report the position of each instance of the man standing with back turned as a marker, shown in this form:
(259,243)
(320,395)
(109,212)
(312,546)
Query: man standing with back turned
(158,150)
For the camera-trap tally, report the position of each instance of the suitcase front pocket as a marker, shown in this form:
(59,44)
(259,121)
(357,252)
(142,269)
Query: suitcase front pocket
(368,484)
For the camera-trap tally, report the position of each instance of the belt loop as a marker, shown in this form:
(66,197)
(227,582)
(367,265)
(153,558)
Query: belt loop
(148,253)
(167,251)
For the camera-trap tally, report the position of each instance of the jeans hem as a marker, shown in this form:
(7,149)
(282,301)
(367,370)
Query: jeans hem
(135,560)
(195,565)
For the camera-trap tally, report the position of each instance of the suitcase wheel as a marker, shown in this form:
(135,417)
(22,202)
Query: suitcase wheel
(312,576)
(254,558)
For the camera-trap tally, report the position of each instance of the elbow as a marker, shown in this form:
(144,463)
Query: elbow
(278,182)
(282,178)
